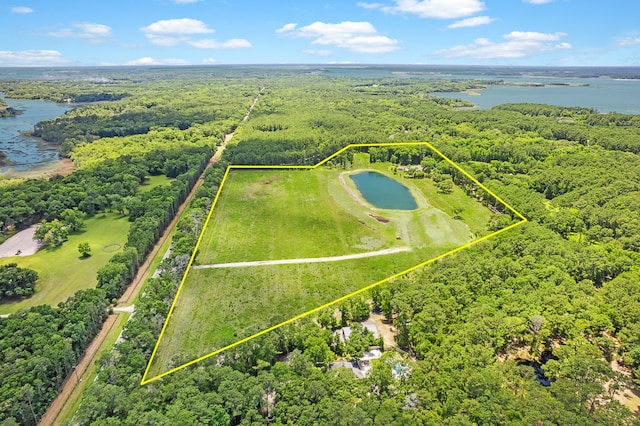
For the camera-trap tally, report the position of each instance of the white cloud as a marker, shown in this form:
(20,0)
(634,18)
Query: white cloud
(21,9)
(185,1)
(30,58)
(85,30)
(532,36)
(177,26)
(286,27)
(234,43)
(472,22)
(318,52)
(167,41)
(518,44)
(359,37)
(370,5)
(151,61)
(173,32)
(440,9)
(209,61)
(630,41)
(537,1)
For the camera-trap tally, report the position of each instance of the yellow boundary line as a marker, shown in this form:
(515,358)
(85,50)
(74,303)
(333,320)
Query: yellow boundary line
(145,381)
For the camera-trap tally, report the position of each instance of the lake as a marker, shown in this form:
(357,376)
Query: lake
(25,152)
(603,94)
(384,192)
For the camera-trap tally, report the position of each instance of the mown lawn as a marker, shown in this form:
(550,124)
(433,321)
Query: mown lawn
(471,212)
(151,182)
(284,214)
(62,271)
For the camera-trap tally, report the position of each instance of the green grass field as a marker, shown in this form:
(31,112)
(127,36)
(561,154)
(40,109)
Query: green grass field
(62,272)
(281,214)
(151,182)
(218,307)
(265,214)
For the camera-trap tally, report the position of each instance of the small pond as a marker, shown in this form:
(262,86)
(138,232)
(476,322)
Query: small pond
(384,192)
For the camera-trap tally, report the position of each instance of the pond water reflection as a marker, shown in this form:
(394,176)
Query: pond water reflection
(384,192)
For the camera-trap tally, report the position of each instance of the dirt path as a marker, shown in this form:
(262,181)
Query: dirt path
(304,260)
(143,271)
(130,309)
(72,380)
(52,413)
(129,295)
(22,243)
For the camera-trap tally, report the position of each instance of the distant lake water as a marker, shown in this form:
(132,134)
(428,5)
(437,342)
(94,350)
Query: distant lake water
(603,94)
(384,192)
(25,152)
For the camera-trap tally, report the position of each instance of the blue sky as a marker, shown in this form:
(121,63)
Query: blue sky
(182,32)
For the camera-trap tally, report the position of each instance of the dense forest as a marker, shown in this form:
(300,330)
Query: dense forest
(539,325)
(129,104)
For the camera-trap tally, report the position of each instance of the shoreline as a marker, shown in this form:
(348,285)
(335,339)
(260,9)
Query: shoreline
(62,167)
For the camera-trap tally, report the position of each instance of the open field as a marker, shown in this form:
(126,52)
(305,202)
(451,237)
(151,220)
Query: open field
(218,307)
(151,182)
(281,214)
(472,213)
(62,271)
(267,214)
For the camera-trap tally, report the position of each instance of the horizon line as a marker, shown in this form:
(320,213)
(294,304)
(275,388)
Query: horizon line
(325,64)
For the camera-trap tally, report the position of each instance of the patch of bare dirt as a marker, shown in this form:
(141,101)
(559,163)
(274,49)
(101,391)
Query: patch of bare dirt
(630,398)
(386,330)
(380,218)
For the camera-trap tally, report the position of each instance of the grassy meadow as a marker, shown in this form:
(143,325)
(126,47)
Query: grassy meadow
(282,214)
(218,307)
(61,269)
(151,182)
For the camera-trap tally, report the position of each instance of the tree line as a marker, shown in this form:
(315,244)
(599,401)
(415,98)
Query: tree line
(26,393)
